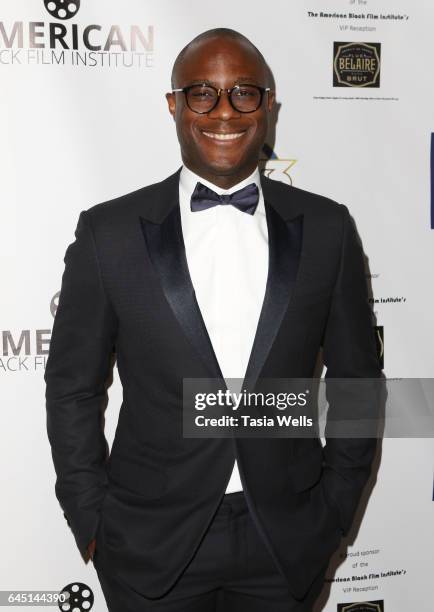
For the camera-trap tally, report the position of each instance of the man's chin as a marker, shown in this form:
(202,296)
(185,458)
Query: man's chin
(225,167)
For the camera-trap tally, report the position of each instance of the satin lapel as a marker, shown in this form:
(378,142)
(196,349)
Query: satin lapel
(284,244)
(167,252)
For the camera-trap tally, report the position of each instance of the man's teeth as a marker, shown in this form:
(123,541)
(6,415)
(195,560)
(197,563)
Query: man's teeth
(223,136)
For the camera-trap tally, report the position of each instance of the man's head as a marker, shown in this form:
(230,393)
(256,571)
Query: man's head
(222,145)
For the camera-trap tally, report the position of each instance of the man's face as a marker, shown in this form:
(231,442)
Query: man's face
(223,63)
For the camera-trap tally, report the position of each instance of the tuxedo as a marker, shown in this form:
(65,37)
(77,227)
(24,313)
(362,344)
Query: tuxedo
(126,289)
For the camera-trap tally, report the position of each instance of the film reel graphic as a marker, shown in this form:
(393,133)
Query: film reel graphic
(79,598)
(62,9)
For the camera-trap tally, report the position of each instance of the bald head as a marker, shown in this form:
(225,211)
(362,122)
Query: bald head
(213,36)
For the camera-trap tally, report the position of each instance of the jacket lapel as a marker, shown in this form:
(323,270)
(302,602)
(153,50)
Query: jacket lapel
(167,252)
(162,231)
(284,247)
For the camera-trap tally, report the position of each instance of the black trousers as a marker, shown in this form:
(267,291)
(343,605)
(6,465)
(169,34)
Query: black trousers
(231,571)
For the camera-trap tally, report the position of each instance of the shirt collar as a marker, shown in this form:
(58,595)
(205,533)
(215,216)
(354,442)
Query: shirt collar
(188,180)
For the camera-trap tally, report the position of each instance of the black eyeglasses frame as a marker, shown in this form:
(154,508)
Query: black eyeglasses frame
(219,91)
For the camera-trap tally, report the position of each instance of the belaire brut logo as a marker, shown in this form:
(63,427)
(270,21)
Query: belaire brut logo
(62,9)
(356,64)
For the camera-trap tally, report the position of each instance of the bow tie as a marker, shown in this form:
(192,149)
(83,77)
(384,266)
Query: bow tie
(245,199)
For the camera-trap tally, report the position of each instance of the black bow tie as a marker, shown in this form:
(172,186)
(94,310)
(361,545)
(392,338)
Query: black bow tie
(245,199)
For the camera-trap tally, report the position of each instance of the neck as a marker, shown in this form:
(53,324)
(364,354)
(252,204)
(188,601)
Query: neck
(224,181)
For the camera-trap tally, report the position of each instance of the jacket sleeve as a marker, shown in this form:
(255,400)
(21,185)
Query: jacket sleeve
(349,351)
(77,368)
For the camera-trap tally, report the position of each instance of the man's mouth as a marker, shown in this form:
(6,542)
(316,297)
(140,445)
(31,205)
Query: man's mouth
(223,135)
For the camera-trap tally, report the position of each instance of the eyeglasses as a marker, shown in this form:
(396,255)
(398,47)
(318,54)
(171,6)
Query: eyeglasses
(203,98)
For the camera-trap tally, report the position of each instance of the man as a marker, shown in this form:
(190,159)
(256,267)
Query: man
(218,272)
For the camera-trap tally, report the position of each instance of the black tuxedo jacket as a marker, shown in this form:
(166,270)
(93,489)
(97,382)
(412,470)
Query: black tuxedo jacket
(126,289)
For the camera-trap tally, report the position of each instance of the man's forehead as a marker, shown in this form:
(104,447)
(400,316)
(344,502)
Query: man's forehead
(219,49)
(228,81)
(211,58)
(222,55)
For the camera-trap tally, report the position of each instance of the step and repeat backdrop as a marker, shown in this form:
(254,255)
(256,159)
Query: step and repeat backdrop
(84,119)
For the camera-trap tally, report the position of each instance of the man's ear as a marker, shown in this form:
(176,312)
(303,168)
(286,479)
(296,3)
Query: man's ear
(271,99)
(171,102)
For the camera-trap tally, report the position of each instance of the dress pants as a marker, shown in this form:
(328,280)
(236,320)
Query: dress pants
(231,571)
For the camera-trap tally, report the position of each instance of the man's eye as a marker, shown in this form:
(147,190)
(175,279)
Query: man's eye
(243,93)
(202,94)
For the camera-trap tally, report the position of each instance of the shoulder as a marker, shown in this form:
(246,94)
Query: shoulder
(122,208)
(294,200)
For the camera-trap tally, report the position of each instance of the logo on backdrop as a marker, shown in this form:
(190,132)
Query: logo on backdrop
(362,606)
(54,303)
(356,64)
(26,350)
(79,597)
(61,9)
(82,45)
(271,164)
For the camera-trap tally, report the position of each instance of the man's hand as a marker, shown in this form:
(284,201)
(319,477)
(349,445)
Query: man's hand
(91,550)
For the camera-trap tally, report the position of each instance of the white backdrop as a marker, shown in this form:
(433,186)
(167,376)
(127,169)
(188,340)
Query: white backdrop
(74,135)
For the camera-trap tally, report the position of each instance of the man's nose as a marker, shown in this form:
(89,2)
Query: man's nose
(224,109)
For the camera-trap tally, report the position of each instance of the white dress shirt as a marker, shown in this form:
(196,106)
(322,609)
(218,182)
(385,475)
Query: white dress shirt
(227,257)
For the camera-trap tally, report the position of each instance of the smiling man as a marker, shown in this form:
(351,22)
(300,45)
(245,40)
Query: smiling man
(221,102)
(215,272)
